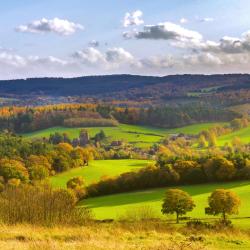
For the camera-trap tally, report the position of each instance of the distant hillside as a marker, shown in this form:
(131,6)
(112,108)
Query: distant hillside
(91,85)
(134,87)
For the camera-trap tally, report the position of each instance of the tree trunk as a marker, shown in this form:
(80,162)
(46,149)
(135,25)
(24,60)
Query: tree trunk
(224,216)
(177,218)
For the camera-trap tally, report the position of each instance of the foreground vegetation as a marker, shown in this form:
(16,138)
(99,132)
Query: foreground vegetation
(138,235)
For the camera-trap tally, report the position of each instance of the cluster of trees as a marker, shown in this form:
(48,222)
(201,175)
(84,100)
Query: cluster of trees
(89,122)
(102,148)
(173,116)
(29,161)
(209,137)
(170,171)
(27,119)
(221,201)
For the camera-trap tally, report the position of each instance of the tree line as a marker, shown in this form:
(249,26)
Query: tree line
(173,116)
(171,172)
(28,119)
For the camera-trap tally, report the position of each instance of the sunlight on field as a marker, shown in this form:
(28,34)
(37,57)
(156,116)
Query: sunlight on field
(140,136)
(97,169)
(113,206)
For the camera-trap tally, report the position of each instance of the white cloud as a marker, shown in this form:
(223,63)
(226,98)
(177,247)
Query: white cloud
(90,56)
(133,18)
(176,34)
(183,20)
(229,45)
(56,25)
(112,58)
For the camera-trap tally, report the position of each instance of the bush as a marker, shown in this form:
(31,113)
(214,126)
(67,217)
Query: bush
(139,214)
(199,225)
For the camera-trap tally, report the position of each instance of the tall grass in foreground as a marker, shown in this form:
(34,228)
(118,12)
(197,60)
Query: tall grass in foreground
(119,236)
(40,205)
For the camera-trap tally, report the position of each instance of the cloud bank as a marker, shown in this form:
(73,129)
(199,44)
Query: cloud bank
(58,26)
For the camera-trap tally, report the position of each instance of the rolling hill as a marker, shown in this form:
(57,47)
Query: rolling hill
(114,206)
(98,169)
(140,136)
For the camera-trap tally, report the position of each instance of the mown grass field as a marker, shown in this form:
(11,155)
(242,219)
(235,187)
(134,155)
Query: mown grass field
(114,206)
(141,136)
(98,169)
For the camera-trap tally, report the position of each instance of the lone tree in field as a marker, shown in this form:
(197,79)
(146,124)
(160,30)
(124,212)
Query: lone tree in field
(223,202)
(178,202)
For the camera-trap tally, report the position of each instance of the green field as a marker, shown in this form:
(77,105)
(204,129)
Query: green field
(243,134)
(97,169)
(141,136)
(113,206)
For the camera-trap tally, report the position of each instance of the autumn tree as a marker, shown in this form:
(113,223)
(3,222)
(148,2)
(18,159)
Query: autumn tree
(212,139)
(202,141)
(10,169)
(65,147)
(224,202)
(219,168)
(77,184)
(39,167)
(86,154)
(178,202)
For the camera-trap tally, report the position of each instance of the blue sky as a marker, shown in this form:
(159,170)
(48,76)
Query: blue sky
(55,38)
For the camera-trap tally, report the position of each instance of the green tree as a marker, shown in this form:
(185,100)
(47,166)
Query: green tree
(224,202)
(178,202)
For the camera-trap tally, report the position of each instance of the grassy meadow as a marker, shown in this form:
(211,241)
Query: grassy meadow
(98,169)
(139,236)
(140,136)
(115,206)
(242,134)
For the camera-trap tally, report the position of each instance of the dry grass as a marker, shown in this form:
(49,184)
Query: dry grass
(117,236)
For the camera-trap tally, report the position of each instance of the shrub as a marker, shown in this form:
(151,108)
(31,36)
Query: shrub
(139,214)
(199,225)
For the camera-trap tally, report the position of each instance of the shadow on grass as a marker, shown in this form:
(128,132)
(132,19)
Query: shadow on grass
(155,195)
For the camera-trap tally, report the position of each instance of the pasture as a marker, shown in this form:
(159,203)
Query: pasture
(140,136)
(243,134)
(114,206)
(98,169)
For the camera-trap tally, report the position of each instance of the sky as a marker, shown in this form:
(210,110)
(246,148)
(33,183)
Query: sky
(62,38)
